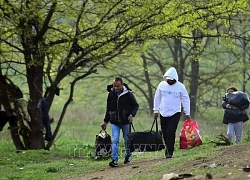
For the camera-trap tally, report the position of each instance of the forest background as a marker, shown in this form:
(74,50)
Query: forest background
(78,47)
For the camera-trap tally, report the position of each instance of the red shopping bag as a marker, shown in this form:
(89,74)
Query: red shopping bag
(190,135)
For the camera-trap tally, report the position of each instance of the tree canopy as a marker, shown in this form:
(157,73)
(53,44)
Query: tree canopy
(44,42)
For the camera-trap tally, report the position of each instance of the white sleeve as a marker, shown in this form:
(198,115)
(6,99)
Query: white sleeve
(185,101)
(157,100)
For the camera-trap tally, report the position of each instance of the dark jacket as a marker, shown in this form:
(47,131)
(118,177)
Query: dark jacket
(44,108)
(234,115)
(119,108)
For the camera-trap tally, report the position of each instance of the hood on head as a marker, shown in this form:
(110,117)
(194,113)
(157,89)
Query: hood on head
(171,74)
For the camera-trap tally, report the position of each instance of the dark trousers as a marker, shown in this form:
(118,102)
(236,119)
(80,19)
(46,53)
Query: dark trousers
(48,133)
(168,127)
(4,118)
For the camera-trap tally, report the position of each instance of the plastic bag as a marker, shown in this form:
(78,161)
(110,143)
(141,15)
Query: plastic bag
(190,135)
(238,99)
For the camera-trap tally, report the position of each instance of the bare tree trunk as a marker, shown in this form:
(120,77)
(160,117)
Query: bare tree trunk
(178,59)
(244,65)
(35,83)
(35,75)
(194,86)
(194,77)
(175,54)
(150,97)
(5,100)
(181,62)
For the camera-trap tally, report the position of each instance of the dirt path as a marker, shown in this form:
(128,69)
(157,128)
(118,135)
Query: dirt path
(229,161)
(123,171)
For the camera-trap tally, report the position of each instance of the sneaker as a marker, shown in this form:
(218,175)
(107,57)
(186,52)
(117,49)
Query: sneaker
(127,160)
(169,156)
(113,163)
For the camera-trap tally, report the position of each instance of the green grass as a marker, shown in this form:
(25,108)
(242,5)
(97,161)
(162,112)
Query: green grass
(56,164)
(71,155)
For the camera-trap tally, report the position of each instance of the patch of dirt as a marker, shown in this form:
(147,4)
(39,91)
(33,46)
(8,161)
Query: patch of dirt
(228,160)
(123,171)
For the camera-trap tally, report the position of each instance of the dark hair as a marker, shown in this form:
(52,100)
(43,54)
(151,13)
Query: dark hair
(110,87)
(118,79)
(232,87)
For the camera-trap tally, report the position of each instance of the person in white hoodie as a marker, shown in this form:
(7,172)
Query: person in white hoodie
(169,96)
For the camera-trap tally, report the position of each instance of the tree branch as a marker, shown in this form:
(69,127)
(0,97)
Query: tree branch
(70,99)
(44,28)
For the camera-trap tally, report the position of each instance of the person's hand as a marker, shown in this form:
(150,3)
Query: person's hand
(155,115)
(188,117)
(232,107)
(130,119)
(104,126)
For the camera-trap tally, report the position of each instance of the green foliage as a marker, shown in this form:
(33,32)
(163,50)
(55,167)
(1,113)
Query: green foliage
(52,169)
(212,115)
(70,40)
(246,132)
(72,153)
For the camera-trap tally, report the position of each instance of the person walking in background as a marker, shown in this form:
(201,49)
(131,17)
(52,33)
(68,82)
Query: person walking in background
(44,109)
(169,96)
(234,105)
(120,110)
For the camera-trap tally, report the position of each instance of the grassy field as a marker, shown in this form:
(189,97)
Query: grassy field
(71,154)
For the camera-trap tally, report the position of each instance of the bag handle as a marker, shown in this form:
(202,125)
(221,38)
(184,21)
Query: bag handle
(103,131)
(156,124)
(132,125)
(186,122)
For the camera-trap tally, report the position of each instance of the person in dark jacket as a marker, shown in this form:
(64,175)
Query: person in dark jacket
(234,116)
(120,110)
(43,106)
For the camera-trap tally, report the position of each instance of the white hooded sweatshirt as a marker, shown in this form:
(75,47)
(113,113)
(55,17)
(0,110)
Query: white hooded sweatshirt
(169,98)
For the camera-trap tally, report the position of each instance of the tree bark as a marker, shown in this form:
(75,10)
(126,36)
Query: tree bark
(150,97)
(6,102)
(194,78)
(194,86)
(244,71)
(35,80)
(178,59)
(182,61)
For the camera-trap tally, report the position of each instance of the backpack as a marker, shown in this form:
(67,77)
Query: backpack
(103,144)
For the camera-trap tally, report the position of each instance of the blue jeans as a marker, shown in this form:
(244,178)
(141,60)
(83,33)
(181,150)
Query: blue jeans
(235,128)
(115,140)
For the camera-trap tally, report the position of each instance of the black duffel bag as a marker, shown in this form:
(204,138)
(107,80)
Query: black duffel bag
(145,141)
